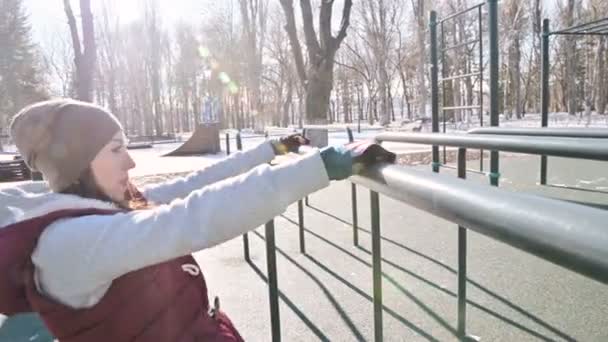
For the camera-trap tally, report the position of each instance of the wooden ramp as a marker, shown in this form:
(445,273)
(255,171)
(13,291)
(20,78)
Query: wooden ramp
(204,140)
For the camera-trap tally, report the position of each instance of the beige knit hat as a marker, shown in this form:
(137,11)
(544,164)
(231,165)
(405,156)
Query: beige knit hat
(60,138)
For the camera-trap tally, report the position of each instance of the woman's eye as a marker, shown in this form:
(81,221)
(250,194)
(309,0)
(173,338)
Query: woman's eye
(117,149)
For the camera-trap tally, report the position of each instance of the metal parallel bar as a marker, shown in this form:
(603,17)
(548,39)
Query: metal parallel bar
(456,77)
(468,170)
(453,15)
(301,226)
(563,132)
(465,43)
(239,146)
(494,52)
(462,255)
(580,26)
(353,193)
(271,259)
(443,93)
(550,229)
(353,196)
(460,107)
(227,144)
(434,86)
(480,27)
(592,149)
(544,94)
(599,27)
(376,265)
(584,34)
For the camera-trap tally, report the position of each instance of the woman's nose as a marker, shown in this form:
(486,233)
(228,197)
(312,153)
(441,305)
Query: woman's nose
(130,163)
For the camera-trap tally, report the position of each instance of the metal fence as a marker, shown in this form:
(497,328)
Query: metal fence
(554,231)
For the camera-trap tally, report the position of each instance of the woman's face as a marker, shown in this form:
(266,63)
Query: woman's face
(111,168)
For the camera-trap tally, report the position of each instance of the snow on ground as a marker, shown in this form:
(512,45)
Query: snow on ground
(150,161)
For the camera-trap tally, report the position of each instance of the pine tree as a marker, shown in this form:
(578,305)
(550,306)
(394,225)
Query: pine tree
(21,79)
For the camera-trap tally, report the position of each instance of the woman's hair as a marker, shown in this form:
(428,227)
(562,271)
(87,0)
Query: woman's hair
(87,187)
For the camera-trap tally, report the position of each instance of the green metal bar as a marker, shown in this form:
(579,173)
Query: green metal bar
(582,27)
(602,33)
(443,93)
(457,77)
(434,86)
(271,259)
(301,226)
(462,255)
(239,146)
(376,266)
(481,68)
(466,43)
(494,53)
(353,195)
(544,94)
(453,15)
(459,108)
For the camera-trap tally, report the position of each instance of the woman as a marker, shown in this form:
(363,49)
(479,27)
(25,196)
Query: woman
(100,260)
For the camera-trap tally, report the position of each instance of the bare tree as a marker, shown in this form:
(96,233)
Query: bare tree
(420,10)
(85,53)
(318,77)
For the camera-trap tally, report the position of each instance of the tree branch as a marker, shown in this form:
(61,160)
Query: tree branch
(312,44)
(348,4)
(290,27)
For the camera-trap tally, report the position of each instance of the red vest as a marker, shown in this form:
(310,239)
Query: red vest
(162,302)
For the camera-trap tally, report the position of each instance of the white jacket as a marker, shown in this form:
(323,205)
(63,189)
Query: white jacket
(77,259)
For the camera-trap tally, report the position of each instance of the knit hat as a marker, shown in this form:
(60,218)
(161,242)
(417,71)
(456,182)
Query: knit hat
(60,138)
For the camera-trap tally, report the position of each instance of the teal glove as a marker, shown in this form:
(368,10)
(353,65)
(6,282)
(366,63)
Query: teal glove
(344,161)
(338,162)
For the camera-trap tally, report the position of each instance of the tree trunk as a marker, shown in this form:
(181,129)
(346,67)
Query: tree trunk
(601,77)
(570,62)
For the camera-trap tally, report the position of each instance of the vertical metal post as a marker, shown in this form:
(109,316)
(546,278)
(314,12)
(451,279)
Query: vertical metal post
(480,22)
(434,86)
(462,255)
(353,196)
(494,52)
(376,265)
(239,146)
(227,144)
(304,135)
(271,259)
(443,93)
(544,94)
(301,226)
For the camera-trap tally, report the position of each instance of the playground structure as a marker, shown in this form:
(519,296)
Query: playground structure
(553,231)
(205,139)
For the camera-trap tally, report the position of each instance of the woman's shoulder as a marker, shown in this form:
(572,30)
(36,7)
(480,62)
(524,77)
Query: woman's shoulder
(25,201)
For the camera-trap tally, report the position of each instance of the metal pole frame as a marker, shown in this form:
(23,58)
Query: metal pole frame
(544,94)
(353,196)
(273,288)
(481,69)
(434,86)
(239,146)
(376,265)
(494,56)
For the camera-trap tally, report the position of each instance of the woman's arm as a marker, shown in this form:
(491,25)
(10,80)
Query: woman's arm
(233,165)
(77,259)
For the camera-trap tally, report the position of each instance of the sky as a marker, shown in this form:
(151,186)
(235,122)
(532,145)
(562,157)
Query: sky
(48,18)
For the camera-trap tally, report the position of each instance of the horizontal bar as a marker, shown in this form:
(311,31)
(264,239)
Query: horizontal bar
(580,33)
(468,42)
(460,107)
(581,26)
(569,235)
(468,170)
(577,132)
(455,77)
(453,15)
(592,149)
